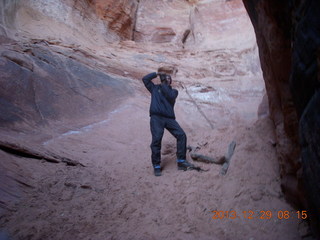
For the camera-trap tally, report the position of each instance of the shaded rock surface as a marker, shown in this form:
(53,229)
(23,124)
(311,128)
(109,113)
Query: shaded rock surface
(288,37)
(40,85)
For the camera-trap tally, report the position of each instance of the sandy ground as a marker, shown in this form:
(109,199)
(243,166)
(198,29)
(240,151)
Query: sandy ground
(116,195)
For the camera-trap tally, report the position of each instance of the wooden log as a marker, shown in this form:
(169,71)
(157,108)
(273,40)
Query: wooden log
(206,159)
(228,156)
(202,158)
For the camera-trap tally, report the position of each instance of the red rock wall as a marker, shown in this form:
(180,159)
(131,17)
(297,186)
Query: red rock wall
(83,22)
(119,15)
(191,24)
(288,37)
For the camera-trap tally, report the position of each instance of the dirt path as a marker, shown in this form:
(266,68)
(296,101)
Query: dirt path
(116,195)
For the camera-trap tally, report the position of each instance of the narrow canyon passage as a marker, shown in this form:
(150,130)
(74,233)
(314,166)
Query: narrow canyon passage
(72,95)
(116,196)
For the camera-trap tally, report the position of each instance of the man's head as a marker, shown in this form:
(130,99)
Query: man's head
(165,78)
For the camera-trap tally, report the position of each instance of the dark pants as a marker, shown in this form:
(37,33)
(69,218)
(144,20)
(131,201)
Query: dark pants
(157,126)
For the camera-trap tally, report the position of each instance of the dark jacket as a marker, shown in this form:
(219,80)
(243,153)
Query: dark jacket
(163,97)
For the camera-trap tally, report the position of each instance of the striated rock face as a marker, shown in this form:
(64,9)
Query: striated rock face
(41,86)
(75,22)
(41,38)
(288,37)
(191,24)
(120,16)
(91,23)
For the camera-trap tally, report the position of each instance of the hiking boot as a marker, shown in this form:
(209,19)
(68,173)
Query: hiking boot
(185,166)
(157,172)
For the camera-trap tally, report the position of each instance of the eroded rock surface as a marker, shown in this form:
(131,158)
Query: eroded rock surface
(42,85)
(191,24)
(288,37)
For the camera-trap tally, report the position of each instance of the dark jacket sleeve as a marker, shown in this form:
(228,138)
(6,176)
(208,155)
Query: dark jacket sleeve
(147,81)
(169,93)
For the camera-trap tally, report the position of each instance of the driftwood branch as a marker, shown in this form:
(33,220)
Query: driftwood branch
(228,156)
(202,158)
(224,160)
(25,151)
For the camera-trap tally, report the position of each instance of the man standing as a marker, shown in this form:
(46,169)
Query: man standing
(162,116)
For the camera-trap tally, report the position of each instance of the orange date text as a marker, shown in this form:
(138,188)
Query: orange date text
(263,214)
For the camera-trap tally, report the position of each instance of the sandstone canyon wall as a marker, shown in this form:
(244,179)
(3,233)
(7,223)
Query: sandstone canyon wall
(74,61)
(40,38)
(288,37)
(96,21)
(191,24)
(39,49)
